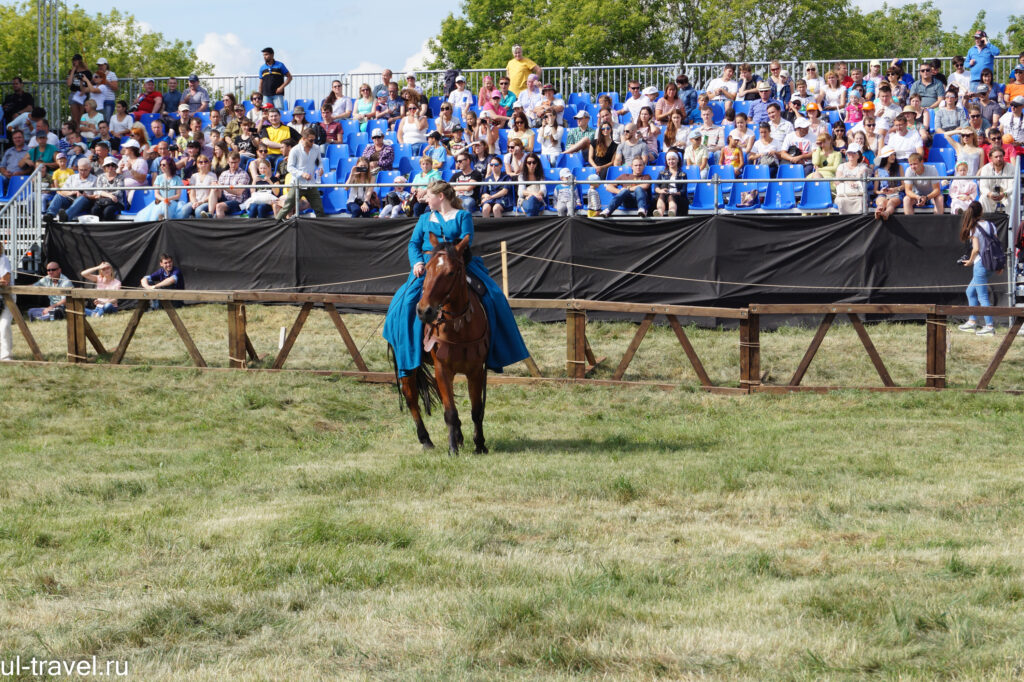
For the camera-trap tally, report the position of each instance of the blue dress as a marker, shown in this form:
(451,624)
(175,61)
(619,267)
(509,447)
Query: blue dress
(403,328)
(172,211)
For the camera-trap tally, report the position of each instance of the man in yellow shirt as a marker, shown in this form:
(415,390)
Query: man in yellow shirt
(518,68)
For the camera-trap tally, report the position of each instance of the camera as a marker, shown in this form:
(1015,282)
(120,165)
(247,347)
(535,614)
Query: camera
(962,259)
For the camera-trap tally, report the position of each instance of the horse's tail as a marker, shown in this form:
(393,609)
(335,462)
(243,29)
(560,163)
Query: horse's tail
(426,386)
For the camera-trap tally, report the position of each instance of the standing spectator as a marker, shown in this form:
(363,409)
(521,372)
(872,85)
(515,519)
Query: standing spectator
(994,191)
(53,279)
(518,68)
(981,56)
(102,276)
(930,89)
(106,81)
(172,98)
(79,82)
(6,336)
(972,231)
(961,79)
(197,98)
(926,187)
(18,101)
(274,78)
(305,166)
(109,194)
(381,90)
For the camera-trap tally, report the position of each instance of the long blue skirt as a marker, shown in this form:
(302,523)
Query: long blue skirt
(404,331)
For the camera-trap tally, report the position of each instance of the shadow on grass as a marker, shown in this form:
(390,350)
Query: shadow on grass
(606,445)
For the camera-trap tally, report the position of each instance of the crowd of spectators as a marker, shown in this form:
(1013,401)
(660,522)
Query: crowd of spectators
(517,144)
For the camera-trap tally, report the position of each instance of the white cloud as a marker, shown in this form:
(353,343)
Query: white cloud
(367,68)
(227,53)
(417,61)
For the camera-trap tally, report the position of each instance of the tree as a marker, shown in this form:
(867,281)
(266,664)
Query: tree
(131,51)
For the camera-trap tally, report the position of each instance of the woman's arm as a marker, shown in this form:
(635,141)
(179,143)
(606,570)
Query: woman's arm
(975,250)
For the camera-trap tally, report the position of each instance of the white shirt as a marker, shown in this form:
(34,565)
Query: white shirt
(765,150)
(460,99)
(1012,126)
(341,106)
(904,145)
(803,143)
(961,81)
(5,268)
(814,86)
(106,94)
(988,186)
(881,125)
(732,87)
(780,130)
(530,99)
(634,104)
(75,182)
(300,161)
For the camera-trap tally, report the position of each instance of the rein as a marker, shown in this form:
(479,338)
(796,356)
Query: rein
(445,316)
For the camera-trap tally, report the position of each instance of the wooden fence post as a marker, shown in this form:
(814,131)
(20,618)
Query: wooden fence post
(935,371)
(236,336)
(576,343)
(74,313)
(750,351)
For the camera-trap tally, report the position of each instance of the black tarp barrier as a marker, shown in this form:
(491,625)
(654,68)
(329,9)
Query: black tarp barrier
(725,260)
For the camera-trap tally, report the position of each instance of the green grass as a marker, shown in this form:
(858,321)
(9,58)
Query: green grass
(211,526)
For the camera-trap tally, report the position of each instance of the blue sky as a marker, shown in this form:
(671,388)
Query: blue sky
(322,37)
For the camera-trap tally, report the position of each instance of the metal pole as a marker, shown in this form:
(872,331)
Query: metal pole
(1015,224)
(47,56)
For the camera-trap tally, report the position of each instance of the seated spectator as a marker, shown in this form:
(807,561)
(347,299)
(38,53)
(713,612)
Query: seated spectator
(121,122)
(839,140)
(260,203)
(670,102)
(458,143)
(903,140)
(414,100)
(994,192)
(254,115)
(826,159)
(11,164)
(687,93)
(815,83)
(515,159)
(103,136)
(460,97)
(918,192)
(748,81)
(379,153)
(818,126)
(900,92)
(486,90)
(532,196)
(867,87)
(962,191)
(393,106)
(868,148)
(648,132)
(171,98)
(149,101)
(219,162)
(18,101)
(919,118)
(445,121)
(604,103)
(834,93)
(887,190)
(490,132)
(42,156)
(412,129)
(632,146)
(202,202)
(479,155)
(603,151)
(168,190)
(1012,122)
(850,195)
(74,199)
(196,97)
(549,103)
(994,141)
(437,152)
(216,123)
(564,198)
(711,134)
(60,175)
(133,168)
(167,277)
(276,133)
(797,146)
(949,115)
(109,195)
(298,122)
(362,201)
(53,279)
(508,98)
(87,124)
(428,173)
(995,90)
(582,136)
(496,194)
(960,79)
(521,131)
(885,107)
(765,151)
(672,197)
(725,87)
(328,131)
(732,155)
(231,195)
(855,109)
(469,194)
(341,106)
(530,98)
(629,191)
(102,276)
(364,108)
(246,143)
(697,154)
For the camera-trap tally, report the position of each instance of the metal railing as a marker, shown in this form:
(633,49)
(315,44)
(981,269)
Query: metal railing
(21,219)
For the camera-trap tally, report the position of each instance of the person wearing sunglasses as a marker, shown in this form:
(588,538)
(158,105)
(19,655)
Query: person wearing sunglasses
(930,89)
(365,107)
(53,279)
(496,194)
(201,202)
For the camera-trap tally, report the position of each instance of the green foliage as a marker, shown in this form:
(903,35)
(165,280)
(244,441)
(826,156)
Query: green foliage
(131,50)
(592,32)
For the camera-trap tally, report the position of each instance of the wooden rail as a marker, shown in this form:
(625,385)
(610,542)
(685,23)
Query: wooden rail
(580,358)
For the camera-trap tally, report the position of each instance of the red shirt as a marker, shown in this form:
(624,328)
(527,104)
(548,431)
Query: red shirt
(1009,149)
(146,102)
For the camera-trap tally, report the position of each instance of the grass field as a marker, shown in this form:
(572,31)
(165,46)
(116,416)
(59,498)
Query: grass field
(213,526)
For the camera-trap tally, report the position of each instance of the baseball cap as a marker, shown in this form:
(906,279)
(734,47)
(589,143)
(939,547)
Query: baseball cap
(109,161)
(763,87)
(582,114)
(62,155)
(193,78)
(377,132)
(460,78)
(868,106)
(131,142)
(496,95)
(802,123)
(981,87)
(1017,101)
(517,103)
(101,60)
(875,62)
(547,86)
(184,107)
(694,134)
(149,80)
(980,34)
(650,90)
(434,133)
(565,173)
(455,129)
(854,148)
(812,106)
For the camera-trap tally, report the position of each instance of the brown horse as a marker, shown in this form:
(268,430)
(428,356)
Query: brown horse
(457,335)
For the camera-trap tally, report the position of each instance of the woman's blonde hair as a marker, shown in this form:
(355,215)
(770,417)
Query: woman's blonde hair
(442,188)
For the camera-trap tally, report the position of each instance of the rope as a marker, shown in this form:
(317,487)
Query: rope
(746,284)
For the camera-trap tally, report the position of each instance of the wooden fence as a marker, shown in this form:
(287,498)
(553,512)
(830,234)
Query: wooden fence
(580,357)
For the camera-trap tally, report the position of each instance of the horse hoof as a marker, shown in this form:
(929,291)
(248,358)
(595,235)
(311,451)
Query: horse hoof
(428,446)
(482,450)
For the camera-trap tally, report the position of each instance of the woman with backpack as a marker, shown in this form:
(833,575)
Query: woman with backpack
(984,240)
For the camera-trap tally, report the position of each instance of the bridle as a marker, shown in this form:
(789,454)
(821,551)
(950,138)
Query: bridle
(444,315)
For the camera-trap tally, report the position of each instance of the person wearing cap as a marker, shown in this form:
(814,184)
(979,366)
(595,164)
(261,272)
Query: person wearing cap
(635,102)
(274,77)
(875,73)
(562,196)
(990,109)
(1015,87)
(798,146)
(460,98)
(903,139)
(982,55)
(410,82)
(43,155)
(993,190)
(921,186)
(850,195)
(1012,122)
(724,88)
(549,102)
(106,81)
(132,167)
(815,83)
(580,138)
(457,142)
(492,106)
(518,69)
(530,97)
(109,195)
(74,198)
(818,126)
(79,82)
(927,87)
(759,109)
(196,97)
(59,176)
(870,123)
(380,155)
(435,151)
(16,154)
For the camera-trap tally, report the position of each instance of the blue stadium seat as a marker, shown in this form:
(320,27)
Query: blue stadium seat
(435,106)
(353,140)
(779,197)
(205,116)
(345,167)
(335,200)
(348,126)
(574,160)
(817,196)
(336,152)
(793,171)
(719,112)
(286,117)
(761,173)
(940,142)
(15,183)
(944,155)
(578,98)
(737,192)
(140,199)
(742,107)
(387,181)
(146,119)
(692,173)
(703,197)
(615,98)
(377,124)
(313,116)
(726,173)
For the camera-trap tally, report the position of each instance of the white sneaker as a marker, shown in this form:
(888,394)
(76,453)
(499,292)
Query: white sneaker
(987,330)
(968,326)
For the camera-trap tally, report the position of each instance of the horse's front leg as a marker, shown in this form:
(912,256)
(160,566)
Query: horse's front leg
(412,399)
(445,380)
(478,400)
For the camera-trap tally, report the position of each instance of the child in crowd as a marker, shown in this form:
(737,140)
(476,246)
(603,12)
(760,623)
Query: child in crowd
(962,191)
(732,155)
(855,109)
(395,202)
(565,202)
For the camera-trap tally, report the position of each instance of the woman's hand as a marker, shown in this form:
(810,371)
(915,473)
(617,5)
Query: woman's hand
(419,269)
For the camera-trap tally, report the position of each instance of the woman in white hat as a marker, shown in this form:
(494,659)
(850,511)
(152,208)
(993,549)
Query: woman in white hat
(887,191)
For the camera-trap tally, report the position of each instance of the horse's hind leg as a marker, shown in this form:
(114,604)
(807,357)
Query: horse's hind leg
(478,400)
(445,379)
(412,399)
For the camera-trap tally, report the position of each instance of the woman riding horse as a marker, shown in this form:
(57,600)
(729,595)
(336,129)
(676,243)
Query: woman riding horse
(403,328)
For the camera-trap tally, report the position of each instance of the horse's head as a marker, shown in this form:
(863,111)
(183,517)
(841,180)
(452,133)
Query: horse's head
(444,279)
